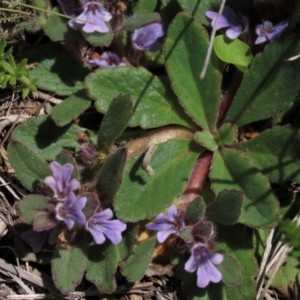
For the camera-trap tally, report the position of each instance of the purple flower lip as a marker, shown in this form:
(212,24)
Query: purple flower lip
(93,18)
(70,211)
(237,25)
(146,37)
(167,225)
(107,60)
(101,227)
(60,183)
(204,260)
(269,32)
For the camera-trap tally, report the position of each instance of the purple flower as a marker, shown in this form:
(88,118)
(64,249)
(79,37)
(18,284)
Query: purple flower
(267,32)
(204,260)
(68,7)
(71,211)
(167,225)
(93,17)
(107,60)
(101,225)
(146,37)
(60,182)
(237,25)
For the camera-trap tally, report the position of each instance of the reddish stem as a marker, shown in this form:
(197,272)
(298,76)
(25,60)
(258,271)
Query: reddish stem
(228,98)
(196,180)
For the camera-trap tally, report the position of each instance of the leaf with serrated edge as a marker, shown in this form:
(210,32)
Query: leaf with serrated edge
(102,266)
(137,264)
(153,100)
(30,168)
(140,197)
(185,51)
(275,152)
(261,94)
(138,20)
(231,170)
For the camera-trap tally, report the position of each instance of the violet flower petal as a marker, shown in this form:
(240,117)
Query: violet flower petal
(100,226)
(107,60)
(269,32)
(93,18)
(146,37)
(204,260)
(71,211)
(167,225)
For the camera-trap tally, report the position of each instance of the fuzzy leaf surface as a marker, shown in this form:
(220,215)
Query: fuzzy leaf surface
(30,168)
(30,206)
(230,169)
(261,94)
(153,100)
(110,176)
(195,211)
(70,108)
(68,267)
(57,71)
(114,122)
(144,6)
(137,264)
(275,152)
(185,50)
(139,20)
(44,138)
(227,207)
(140,197)
(99,39)
(57,28)
(129,240)
(102,265)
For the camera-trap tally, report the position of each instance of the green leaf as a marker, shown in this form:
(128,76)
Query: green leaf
(144,6)
(99,39)
(110,176)
(234,240)
(30,206)
(68,266)
(44,138)
(71,108)
(129,241)
(195,211)
(114,122)
(230,270)
(185,50)
(140,197)
(206,140)
(261,94)
(226,135)
(140,19)
(275,152)
(102,266)
(233,51)
(197,9)
(286,275)
(57,28)
(137,264)
(231,170)
(153,100)
(30,168)
(58,71)
(44,221)
(227,207)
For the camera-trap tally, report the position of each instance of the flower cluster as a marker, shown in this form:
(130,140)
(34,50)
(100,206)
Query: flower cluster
(196,239)
(238,25)
(66,207)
